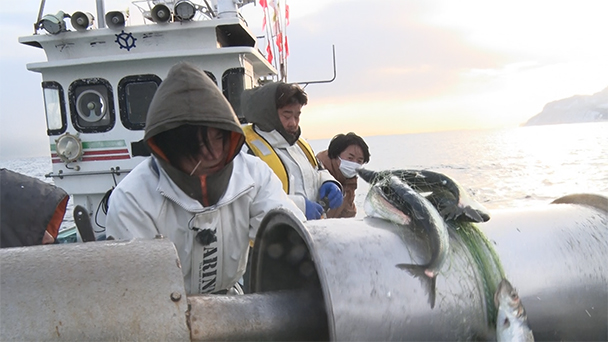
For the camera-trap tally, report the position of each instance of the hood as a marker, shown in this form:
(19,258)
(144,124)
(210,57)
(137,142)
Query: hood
(28,207)
(259,107)
(188,96)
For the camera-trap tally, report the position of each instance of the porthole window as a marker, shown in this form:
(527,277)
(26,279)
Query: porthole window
(92,105)
(54,107)
(135,94)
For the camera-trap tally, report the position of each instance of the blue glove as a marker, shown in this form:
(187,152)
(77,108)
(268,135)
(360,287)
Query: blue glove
(313,210)
(333,194)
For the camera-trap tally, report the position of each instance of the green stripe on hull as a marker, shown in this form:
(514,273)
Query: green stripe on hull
(97,144)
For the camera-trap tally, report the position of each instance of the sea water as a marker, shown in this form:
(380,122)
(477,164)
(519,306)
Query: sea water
(500,168)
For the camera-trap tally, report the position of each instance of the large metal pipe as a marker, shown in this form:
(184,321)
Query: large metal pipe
(104,291)
(555,255)
(133,290)
(325,280)
(271,316)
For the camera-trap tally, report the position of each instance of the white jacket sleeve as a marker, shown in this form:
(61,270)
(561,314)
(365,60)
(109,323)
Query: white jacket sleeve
(126,219)
(270,195)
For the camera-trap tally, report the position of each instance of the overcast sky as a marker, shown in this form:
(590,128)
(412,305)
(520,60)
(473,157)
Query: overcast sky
(402,66)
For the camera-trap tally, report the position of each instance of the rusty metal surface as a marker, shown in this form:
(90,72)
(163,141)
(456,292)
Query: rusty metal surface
(105,291)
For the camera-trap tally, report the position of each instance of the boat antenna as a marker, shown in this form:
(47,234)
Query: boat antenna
(210,9)
(39,16)
(306,83)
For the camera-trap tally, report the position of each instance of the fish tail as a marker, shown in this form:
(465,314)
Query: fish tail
(428,283)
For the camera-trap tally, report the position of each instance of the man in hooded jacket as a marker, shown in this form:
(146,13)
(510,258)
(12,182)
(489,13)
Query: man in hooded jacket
(274,136)
(31,211)
(197,189)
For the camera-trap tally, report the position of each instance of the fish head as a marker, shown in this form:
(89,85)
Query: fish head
(507,298)
(381,203)
(511,320)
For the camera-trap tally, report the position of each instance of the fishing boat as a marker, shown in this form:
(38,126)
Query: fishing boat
(337,279)
(101,73)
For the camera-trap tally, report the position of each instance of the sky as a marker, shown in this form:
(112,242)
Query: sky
(402,66)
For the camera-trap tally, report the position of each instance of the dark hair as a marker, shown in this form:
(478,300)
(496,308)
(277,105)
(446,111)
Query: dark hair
(184,141)
(340,142)
(288,94)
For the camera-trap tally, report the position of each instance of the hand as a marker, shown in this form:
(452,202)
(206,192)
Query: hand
(333,194)
(313,210)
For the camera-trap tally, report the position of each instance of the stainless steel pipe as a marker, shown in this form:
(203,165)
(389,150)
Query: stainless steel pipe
(104,291)
(325,280)
(555,255)
(271,316)
(133,290)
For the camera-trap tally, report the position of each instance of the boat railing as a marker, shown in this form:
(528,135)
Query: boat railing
(117,171)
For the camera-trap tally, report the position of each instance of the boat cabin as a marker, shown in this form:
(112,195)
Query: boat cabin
(99,81)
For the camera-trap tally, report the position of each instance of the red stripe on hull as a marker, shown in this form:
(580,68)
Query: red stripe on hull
(86,159)
(123,156)
(101,152)
(97,155)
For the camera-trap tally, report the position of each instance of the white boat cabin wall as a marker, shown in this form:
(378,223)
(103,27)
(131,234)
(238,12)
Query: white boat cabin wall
(98,83)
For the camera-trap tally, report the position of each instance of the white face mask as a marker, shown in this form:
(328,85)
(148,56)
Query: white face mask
(349,168)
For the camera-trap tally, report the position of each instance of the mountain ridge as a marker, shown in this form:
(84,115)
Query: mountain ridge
(577,108)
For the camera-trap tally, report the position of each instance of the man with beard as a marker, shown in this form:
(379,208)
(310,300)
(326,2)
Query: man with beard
(274,135)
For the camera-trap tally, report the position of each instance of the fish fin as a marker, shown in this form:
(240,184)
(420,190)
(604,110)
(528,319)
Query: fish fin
(428,283)
(367,175)
(472,214)
(475,215)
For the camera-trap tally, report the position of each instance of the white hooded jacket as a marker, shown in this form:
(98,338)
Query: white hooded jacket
(150,202)
(304,179)
(147,203)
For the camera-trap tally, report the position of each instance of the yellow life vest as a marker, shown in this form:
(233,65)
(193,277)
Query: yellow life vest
(262,149)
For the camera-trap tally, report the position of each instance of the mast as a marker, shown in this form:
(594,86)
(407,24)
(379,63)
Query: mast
(101,12)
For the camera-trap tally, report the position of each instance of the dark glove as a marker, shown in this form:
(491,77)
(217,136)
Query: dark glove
(313,210)
(333,194)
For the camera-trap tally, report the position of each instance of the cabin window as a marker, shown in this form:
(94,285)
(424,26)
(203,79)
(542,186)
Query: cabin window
(233,35)
(135,94)
(92,105)
(54,106)
(211,76)
(233,84)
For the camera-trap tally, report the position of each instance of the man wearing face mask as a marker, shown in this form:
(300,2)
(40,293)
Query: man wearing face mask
(345,155)
(197,189)
(274,136)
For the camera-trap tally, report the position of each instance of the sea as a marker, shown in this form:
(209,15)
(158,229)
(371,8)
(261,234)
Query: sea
(500,168)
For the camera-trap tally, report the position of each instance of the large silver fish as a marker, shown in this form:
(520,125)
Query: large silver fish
(450,199)
(391,199)
(511,321)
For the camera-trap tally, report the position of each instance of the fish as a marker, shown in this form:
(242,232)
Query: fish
(392,199)
(511,320)
(451,200)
